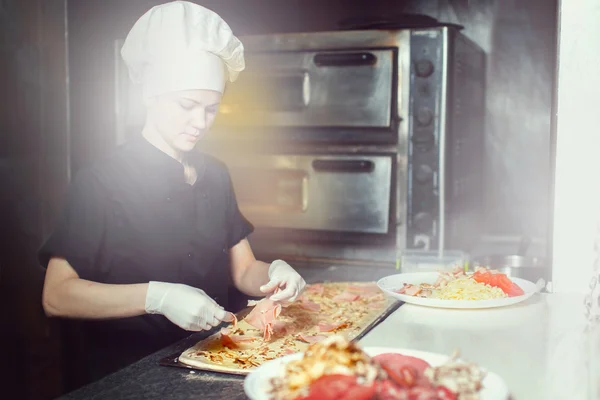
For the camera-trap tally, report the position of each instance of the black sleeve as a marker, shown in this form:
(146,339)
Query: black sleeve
(79,233)
(239,227)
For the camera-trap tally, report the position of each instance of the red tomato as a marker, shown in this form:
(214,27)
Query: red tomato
(400,360)
(331,387)
(422,393)
(511,288)
(482,277)
(500,281)
(443,393)
(403,376)
(360,392)
(404,370)
(387,390)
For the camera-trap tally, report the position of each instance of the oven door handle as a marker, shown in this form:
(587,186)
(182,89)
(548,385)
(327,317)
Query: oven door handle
(347,166)
(343,59)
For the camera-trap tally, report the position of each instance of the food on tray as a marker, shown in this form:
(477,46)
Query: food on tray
(272,329)
(338,369)
(483,284)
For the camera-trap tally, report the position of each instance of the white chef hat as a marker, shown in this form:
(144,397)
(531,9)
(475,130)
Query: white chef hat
(182,46)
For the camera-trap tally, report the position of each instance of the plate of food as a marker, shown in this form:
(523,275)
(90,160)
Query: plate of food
(339,369)
(483,288)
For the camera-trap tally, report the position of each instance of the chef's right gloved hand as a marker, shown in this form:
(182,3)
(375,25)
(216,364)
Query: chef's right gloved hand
(187,307)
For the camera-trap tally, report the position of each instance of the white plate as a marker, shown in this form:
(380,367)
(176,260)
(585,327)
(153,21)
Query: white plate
(395,282)
(256,383)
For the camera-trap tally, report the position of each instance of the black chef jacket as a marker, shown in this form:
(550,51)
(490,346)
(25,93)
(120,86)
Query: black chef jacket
(132,218)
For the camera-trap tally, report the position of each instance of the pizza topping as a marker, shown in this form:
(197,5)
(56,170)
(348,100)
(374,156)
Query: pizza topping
(311,339)
(327,327)
(345,296)
(308,305)
(233,319)
(364,289)
(281,327)
(231,341)
(374,305)
(263,315)
(316,289)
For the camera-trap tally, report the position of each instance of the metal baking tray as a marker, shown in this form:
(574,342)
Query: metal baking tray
(173,360)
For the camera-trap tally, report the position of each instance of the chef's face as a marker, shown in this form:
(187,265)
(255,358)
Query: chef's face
(183,118)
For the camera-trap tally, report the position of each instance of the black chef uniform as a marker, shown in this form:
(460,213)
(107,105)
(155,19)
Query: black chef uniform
(132,218)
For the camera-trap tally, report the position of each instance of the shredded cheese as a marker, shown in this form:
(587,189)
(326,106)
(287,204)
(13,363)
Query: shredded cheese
(466,288)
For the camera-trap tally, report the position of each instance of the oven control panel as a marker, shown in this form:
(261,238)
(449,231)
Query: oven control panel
(426,127)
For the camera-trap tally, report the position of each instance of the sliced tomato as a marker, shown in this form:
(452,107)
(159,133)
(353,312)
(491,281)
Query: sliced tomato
(500,281)
(400,360)
(503,282)
(331,387)
(360,392)
(443,393)
(405,371)
(509,287)
(422,393)
(405,377)
(482,277)
(388,390)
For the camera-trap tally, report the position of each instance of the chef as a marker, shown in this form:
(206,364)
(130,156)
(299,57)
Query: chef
(152,237)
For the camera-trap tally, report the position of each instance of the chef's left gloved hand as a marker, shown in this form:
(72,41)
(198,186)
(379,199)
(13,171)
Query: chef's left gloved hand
(284,277)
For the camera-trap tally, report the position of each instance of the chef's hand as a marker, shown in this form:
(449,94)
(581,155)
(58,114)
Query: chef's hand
(283,277)
(187,307)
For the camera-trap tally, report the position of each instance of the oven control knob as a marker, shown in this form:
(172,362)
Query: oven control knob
(424,116)
(424,68)
(423,222)
(423,173)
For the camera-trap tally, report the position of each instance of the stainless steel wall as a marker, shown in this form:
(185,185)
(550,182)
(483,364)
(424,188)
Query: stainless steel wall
(520,40)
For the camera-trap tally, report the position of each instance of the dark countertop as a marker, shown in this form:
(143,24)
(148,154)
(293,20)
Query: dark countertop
(146,379)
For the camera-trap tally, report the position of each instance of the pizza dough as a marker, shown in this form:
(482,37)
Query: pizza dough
(323,310)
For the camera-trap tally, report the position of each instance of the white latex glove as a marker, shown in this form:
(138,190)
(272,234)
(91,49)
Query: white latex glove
(187,307)
(283,277)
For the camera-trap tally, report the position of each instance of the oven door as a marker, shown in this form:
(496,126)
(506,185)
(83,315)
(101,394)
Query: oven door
(336,193)
(313,89)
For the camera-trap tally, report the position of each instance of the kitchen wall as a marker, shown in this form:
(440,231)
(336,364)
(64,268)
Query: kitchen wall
(519,38)
(576,255)
(33,173)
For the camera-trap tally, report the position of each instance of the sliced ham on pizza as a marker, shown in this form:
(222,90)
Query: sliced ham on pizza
(308,305)
(311,338)
(345,297)
(232,341)
(316,289)
(331,327)
(263,315)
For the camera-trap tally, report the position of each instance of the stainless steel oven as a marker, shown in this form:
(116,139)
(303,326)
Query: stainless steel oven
(354,144)
(327,193)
